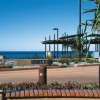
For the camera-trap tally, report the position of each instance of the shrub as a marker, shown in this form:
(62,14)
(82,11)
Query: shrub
(50,61)
(53,85)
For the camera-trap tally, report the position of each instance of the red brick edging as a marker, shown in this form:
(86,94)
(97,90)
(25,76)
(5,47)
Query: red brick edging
(54,93)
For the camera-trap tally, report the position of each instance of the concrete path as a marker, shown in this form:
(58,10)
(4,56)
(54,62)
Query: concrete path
(60,99)
(62,75)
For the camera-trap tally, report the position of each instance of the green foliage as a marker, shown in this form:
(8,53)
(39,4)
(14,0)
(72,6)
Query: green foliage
(36,56)
(96,61)
(53,85)
(90,86)
(50,61)
(63,60)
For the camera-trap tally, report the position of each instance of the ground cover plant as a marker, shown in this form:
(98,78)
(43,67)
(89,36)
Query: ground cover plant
(53,85)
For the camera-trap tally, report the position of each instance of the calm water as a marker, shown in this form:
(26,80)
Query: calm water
(32,54)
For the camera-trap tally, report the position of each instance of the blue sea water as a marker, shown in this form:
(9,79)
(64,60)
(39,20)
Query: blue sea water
(32,54)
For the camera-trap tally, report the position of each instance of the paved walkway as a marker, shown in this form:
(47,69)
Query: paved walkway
(62,75)
(60,99)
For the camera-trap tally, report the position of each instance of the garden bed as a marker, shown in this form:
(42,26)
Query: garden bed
(54,85)
(51,90)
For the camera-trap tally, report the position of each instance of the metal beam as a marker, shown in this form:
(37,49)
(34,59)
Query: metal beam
(45,48)
(49,45)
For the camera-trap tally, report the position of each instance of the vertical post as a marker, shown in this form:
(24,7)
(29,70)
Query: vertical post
(54,46)
(80,7)
(43,74)
(45,48)
(86,42)
(99,77)
(57,39)
(62,47)
(65,45)
(57,43)
(1,94)
(49,45)
(67,48)
(97,47)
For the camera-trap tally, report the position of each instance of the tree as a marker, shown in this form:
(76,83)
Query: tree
(96,19)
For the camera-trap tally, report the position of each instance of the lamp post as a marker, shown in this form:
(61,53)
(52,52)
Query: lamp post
(45,48)
(80,7)
(54,46)
(49,45)
(57,39)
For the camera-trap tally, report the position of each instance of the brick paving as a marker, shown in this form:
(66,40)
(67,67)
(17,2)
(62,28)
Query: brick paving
(60,99)
(54,93)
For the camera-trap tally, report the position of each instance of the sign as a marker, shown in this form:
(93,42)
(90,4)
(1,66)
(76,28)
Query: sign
(96,55)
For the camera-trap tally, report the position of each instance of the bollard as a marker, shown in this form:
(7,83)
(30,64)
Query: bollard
(99,76)
(43,74)
(1,94)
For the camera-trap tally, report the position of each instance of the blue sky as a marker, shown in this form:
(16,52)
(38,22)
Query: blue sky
(25,23)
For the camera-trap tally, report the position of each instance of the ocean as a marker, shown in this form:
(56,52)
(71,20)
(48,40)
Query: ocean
(34,54)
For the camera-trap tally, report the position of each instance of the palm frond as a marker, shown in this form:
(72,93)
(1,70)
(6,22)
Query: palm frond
(90,10)
(88,0)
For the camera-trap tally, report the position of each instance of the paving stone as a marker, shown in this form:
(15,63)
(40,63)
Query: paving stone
(81,93)
(98,91)
(40,93)
(72,93)
(68,93)
(45,93)
(86,94)
(63,93)
(22,94)
(17,94)
(31,93)
(90,93)
(49,93)
(36,94)
(7,95)
(58,93)
(54,92)
(13,94)
(95,93)
(77,94)
(27,93)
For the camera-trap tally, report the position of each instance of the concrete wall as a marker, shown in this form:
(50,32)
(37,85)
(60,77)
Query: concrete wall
(22,62)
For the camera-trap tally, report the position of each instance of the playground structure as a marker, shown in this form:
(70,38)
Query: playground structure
(81,41)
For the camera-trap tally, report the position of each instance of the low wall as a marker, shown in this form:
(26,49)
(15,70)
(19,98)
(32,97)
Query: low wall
(53,93)
(24,62)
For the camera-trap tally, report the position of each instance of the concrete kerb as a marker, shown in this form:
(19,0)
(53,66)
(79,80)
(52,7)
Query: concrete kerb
(53,93)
